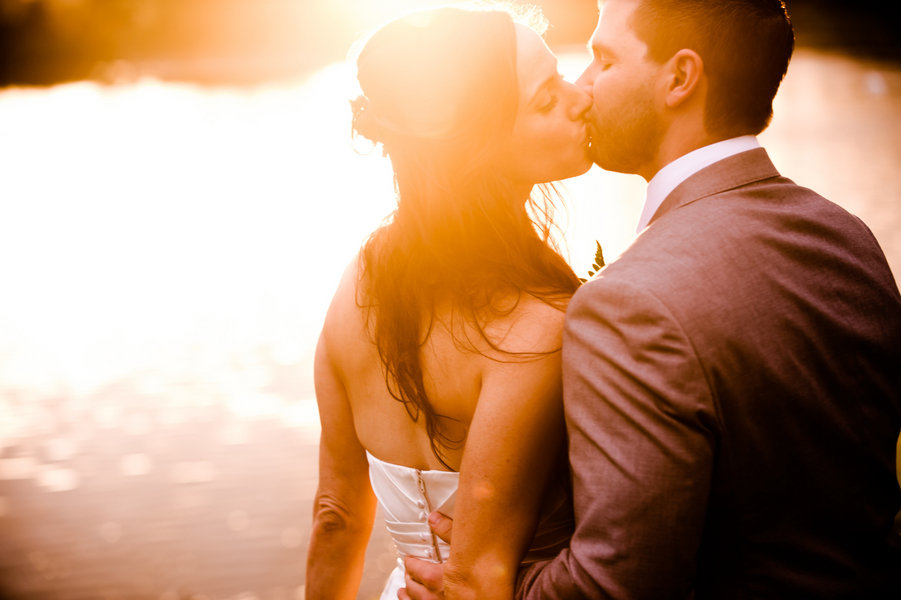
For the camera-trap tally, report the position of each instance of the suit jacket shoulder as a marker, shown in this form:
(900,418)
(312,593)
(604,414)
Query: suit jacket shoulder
(786,307)
(737,232)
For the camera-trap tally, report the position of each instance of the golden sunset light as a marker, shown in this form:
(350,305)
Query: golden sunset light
(181,194)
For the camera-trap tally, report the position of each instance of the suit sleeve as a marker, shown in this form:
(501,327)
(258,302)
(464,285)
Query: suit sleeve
(641,427)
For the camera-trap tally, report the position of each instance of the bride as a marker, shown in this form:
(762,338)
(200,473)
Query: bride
(438,367)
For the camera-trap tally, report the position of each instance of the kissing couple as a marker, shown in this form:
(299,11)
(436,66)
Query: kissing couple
(713,415)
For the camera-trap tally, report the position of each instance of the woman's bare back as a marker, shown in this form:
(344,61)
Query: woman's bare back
(454,359)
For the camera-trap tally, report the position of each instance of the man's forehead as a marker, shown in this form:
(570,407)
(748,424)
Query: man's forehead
(619,7)
(614,19)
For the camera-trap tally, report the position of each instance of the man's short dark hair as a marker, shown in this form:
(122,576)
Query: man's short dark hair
(745,46)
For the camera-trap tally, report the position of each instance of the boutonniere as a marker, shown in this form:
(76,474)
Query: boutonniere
(598,263)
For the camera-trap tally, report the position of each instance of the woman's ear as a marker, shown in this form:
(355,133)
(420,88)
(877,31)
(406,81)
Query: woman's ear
(686,69)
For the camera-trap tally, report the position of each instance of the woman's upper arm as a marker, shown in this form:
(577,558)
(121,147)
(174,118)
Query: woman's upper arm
(342,461)
(515,437)
(344,507)
(343,468)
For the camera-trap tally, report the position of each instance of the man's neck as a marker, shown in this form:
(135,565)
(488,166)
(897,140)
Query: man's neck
(677,144)
(686,165)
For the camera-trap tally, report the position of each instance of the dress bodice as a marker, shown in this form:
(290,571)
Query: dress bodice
(407,496)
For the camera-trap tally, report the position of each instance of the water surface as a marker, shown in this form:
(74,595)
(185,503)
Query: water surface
(167,254)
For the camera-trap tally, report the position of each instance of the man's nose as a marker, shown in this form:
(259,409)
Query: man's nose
(581,104)
(586,79)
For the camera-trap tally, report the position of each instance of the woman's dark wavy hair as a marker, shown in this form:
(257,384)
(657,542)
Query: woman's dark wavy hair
(440,94)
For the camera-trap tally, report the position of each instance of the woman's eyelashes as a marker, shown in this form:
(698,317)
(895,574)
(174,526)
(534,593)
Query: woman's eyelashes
(550,96)
(549,105)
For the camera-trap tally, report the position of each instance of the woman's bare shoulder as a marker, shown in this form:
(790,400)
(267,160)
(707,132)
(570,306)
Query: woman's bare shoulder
(346,313)
(526,324)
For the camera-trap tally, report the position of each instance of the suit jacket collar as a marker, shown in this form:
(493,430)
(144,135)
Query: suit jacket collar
(727,174)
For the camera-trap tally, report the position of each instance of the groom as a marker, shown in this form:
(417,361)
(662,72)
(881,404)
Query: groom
(732,384)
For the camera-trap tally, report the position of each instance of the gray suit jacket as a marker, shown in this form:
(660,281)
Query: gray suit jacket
(732,387)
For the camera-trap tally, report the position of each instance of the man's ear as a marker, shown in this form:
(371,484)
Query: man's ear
(686,69)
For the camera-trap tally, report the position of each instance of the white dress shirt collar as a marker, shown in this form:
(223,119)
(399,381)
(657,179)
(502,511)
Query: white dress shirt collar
(670,176)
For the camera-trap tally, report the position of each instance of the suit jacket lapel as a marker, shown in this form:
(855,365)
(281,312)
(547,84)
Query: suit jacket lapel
(729,173)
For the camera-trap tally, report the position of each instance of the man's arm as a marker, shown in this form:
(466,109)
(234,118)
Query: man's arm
(641,429)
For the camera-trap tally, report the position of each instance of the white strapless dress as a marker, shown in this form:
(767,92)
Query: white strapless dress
(407,496)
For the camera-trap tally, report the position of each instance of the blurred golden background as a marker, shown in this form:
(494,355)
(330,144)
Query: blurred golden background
(252,41)
(180,193)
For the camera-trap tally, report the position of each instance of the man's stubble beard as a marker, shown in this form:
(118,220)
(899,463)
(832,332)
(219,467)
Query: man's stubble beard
(628,141)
